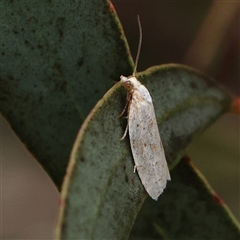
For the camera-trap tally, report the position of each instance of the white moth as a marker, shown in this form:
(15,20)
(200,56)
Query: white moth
(145,141)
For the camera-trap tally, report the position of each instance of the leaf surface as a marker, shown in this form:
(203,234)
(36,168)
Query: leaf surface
(58,59)
(189,209)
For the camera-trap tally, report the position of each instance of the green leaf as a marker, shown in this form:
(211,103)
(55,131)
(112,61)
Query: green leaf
(189,209)
(58,60)
(101,195)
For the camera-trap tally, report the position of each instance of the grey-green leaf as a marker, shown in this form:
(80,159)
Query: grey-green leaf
(189,209)
(58,58)
(101,194)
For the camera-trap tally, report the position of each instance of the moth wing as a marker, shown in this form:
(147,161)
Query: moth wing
(146,145)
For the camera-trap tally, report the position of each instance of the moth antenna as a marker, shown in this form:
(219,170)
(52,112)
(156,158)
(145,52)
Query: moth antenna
(139,46)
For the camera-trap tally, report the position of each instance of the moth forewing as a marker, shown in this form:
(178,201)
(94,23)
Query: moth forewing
(146,145)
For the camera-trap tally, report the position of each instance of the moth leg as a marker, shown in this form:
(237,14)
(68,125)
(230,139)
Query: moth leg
(136,168)
(125,133)
(124,110)
(128,99)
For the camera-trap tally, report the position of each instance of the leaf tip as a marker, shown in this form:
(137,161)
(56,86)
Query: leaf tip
(62,203)
(235,106)
(111,8)
(187,159)
(217,199)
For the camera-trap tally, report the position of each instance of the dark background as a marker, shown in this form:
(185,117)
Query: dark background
(202,34)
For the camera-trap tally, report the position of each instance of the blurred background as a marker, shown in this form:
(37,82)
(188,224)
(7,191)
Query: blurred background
(202,34)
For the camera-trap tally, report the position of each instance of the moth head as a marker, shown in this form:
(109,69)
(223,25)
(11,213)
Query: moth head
(129,83)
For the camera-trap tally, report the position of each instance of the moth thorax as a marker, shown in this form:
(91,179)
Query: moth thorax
(129,83)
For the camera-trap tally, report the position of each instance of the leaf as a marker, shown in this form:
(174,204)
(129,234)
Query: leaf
(58,60)
(189,209)
(101,195)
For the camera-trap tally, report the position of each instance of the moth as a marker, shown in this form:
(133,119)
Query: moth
(145,141)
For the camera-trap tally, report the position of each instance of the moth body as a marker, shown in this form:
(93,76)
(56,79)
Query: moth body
(145,141)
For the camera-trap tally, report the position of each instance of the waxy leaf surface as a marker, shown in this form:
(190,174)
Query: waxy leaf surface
(189,209)
(58,58)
